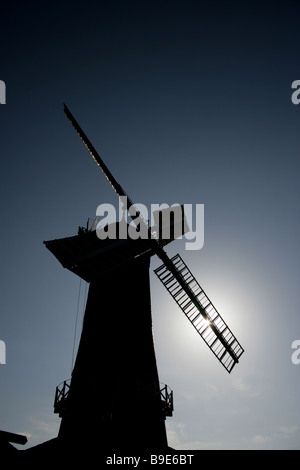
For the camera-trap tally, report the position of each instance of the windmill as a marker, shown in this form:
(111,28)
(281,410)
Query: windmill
(114,397)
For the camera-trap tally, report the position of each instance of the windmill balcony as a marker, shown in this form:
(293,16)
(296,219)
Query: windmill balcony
(61,396)
(166,398)
(62,393)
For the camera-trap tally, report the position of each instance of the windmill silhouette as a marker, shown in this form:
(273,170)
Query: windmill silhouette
(114,397)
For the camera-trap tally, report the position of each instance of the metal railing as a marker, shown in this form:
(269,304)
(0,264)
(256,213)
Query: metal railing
(62,393)
(166,398)
(61,396)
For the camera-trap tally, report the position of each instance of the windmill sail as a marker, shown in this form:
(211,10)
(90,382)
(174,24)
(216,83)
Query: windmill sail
(201,312)
(119,190)
(176,277)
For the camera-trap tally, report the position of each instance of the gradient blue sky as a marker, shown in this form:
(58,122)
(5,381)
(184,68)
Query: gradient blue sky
(187,102)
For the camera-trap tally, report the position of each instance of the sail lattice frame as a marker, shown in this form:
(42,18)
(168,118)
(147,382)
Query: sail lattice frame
(198,308)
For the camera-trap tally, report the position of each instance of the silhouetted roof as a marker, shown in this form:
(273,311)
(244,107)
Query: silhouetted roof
(88,256)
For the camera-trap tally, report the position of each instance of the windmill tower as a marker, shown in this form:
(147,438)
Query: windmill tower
(114,398)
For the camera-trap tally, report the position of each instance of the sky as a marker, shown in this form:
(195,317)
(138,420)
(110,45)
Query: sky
(187,102)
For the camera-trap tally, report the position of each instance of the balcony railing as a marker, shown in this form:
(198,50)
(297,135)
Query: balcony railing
(62,393)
